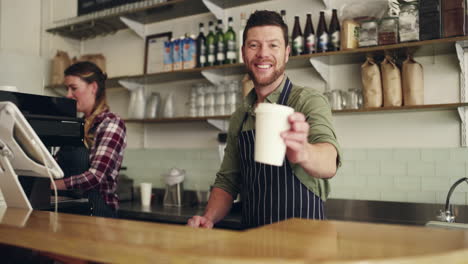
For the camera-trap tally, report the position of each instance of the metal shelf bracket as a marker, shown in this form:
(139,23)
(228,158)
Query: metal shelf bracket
(222,125)
(137,27)
(215,9)
(322,66)
(461,48)
(214,76)
(131,86)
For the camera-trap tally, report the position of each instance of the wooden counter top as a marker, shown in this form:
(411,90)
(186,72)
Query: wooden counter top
(292,241)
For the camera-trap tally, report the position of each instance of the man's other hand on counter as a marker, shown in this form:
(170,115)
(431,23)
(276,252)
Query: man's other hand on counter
(200,221)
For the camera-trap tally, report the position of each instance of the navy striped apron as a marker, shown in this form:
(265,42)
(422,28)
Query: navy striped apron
(271,193)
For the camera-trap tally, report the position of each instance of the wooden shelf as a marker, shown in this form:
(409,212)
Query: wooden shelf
(437,45)
(431,107)
(176,119)
(402,109)
(108,21)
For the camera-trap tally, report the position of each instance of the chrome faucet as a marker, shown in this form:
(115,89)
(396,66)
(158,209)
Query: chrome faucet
(447,215)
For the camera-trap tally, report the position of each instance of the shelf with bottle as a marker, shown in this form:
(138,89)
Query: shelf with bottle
(401,109)
(109,21)
(435,46)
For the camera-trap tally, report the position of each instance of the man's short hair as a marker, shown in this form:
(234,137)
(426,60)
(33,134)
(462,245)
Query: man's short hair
(266,18)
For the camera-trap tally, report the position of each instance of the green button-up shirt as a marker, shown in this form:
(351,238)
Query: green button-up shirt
(305,100)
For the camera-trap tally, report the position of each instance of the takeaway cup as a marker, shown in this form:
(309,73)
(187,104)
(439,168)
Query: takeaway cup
(271,120)
(145,188)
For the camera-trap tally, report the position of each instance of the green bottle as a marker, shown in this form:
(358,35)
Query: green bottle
(230,44)
(211,46)
(220,48)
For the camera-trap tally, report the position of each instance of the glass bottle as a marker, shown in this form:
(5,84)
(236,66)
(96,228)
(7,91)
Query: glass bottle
(335,30)
(230,44)
(201,47)
(211,45)
(240,37)
(283,16)
(309,36)
(322,34)
(220,48)
(298,41)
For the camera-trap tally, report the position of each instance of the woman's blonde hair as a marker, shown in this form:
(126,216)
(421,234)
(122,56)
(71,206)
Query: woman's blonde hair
(89,72)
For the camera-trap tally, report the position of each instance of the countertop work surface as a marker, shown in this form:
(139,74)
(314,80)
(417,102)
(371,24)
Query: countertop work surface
(175,215)
(293,241)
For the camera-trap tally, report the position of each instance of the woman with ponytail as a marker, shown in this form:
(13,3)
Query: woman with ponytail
(93,168)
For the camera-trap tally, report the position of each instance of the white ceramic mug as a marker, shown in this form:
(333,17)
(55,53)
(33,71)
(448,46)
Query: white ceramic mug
(271,120)
(145,191)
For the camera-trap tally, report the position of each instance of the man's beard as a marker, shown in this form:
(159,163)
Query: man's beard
(266,81)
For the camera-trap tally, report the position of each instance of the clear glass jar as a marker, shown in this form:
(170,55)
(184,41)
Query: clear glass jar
(388,31)
(231,97)
(409,22)
(220,99)
(368,33)
(200,105)
(192,103)
(209,101)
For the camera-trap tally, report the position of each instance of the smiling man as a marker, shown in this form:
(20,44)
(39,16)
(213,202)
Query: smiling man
(300,186)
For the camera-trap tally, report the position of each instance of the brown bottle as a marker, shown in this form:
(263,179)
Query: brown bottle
(309,36)
(335,31)
(297,38)
(322,34)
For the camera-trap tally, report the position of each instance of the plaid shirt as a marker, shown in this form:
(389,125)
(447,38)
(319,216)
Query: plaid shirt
(105,158)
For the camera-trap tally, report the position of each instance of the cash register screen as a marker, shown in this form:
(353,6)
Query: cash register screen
(29,155)
(29,149)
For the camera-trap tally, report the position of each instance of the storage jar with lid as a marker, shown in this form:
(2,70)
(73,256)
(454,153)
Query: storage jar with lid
(388,31)
(409,22)
(368,33)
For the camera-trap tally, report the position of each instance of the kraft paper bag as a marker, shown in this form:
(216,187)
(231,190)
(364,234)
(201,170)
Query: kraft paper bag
(371,83)
(413,82)
(60,63)
(391,82)
(97,59)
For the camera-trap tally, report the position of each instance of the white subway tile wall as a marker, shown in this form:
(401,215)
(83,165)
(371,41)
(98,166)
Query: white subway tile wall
(401,175)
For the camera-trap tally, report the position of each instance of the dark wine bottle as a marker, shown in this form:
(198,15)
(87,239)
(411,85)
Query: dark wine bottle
(201,47)
(220,48)
(335,31)
(322,34)
(211,46)
(309,36)
(230,44)
(297,38)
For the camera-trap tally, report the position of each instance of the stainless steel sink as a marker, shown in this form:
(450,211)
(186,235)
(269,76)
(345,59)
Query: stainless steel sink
(447,225)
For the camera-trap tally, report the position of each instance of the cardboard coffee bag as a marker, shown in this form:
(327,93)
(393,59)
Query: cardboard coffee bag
(97,59)
(391,82)
(371,83)
(413,82)
(60,62)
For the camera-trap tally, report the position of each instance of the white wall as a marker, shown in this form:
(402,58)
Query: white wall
(21,64)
